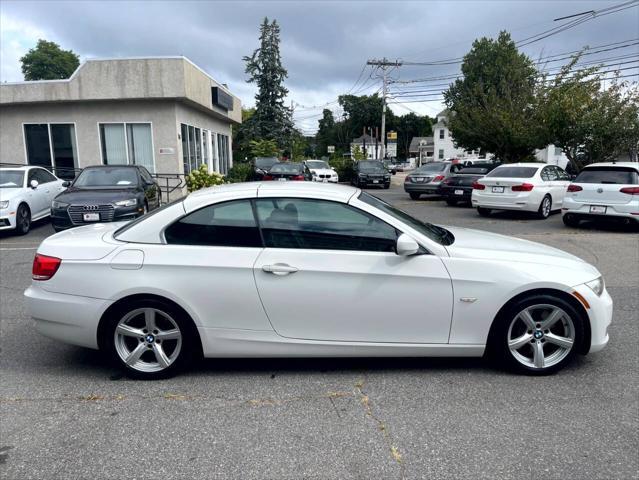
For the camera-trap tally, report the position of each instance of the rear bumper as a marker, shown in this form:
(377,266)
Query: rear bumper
(518,203)
(449,192)
(628,210)
(429,188)
(68,318)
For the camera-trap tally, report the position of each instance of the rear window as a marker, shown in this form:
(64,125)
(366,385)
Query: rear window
(614,175)
(472,170)
(286,168)
(431,167)
(514,172)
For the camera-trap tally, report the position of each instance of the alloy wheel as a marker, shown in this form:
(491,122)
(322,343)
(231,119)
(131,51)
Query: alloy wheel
(148,340)
(541,336)
(24,219)
(545,207)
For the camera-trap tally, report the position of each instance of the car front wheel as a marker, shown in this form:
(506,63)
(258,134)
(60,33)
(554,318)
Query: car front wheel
(538,335)
(149,339)
(23,220)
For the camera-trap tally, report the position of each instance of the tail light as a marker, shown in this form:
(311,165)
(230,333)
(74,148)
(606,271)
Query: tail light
(44,267)
(478,186)
(438,178)
(524,187)
(267,177)
(630,190)
(574,188)
(298,177)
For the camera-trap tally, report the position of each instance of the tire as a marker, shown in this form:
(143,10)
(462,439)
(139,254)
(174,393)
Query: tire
(414,196)
(451,201)
(386,186)
(155,353)
(23,219)
(523,343)
(484,212)
(545,207)
(570,220)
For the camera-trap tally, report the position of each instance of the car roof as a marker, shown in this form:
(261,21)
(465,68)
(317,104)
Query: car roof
(111,166)
(634,165)
(326,191)
(526,164)
(22,168)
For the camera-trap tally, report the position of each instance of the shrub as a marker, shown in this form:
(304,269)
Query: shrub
(201,178)
(241,172)
(343,167)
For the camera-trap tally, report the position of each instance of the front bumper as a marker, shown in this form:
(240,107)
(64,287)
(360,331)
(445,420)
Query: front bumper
(61,220)
(67,318)
(599,314)
(7,219)
(326,180)
(373,182)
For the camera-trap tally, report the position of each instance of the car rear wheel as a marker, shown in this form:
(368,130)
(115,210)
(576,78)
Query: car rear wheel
(545,207)
(570,220)
(414,196)
(484,212)
(451,202)
(23,220)
(150,339)
(538,335)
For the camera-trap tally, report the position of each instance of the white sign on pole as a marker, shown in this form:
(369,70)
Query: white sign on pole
(391,150)
(330,149)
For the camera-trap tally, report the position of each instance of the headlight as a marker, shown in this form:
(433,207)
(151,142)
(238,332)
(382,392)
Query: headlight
(361,175)
(57,205)
(4,204)
(597,285)
(126,203)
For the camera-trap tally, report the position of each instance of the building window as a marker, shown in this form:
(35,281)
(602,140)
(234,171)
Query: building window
(442,133)
(52,146)
(196,148)
(223,153)
(441,154)
(127,144)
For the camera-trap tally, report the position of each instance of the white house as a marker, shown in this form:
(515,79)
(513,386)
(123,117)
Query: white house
(367,144)
(552,155)
(443,146)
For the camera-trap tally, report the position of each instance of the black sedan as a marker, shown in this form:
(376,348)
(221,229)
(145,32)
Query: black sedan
(370,173)
(105,194)
(289,171)
(459,187)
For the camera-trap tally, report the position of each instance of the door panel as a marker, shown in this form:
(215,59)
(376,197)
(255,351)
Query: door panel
(355,295)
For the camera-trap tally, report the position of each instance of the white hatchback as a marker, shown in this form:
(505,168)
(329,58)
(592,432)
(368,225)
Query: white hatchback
(603,190)
(25,196)
(532,187)
(235,271)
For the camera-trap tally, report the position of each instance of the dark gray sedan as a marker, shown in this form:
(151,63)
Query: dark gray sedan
(428,178)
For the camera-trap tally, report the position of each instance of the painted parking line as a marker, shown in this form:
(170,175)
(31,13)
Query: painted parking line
(17,248)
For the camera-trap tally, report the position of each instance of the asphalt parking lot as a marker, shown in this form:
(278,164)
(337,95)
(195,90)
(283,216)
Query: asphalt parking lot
(66,414)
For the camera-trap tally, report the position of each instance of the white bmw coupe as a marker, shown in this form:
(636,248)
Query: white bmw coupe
(234,271)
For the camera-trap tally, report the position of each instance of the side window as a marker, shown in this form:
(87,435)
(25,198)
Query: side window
(43,176)
(146,176)
(228,224)
(33,175)
(321,224)
(547,174)
(561,174)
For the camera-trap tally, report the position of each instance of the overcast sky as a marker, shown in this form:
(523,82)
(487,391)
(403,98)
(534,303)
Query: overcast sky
(324,44)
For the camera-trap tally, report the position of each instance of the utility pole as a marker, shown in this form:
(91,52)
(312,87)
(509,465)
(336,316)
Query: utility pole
(292,131)
(384,64)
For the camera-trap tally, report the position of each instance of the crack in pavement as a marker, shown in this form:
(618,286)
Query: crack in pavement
(381,426)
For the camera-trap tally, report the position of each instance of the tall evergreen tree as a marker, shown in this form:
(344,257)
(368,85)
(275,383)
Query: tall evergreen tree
(272,119)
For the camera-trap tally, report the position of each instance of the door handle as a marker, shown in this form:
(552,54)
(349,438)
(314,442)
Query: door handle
(279,269)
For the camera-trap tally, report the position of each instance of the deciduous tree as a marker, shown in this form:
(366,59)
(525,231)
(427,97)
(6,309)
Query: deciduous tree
(47,61)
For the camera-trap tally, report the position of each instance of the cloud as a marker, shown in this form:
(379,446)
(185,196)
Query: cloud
(324,44)
(16,38)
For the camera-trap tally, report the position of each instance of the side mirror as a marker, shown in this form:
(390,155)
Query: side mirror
(66,184)
(406,245)
(33,184)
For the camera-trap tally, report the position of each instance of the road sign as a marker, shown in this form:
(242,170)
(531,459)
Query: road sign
(391,150)
(391,136)
(330,149)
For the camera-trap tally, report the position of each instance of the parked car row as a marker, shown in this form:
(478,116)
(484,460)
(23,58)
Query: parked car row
(98,194)
(601,190)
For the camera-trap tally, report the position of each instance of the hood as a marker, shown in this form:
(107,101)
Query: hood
(96,195)
(478,244)
(11,193)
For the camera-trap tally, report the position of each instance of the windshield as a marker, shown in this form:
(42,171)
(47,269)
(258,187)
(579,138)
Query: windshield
(107,177)
(435,233)
(265,162)
(370,166)
(11,178)
(286,168)
(431,168)
(613,175)
(513,172)
(317,164)
(473,170)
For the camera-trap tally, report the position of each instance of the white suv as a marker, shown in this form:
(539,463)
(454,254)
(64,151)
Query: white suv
(609,190)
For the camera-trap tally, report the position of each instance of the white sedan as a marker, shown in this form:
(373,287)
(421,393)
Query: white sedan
(532,187)
(603,190)
(234,271)
(25,196)
(322,172)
